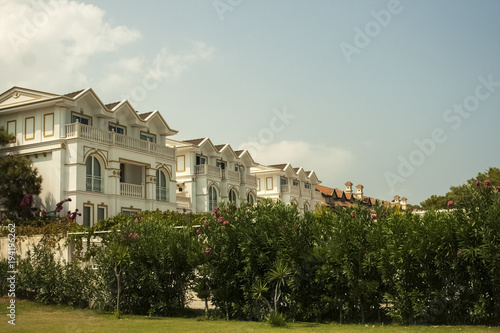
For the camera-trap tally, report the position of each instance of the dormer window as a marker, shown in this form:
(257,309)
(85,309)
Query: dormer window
(296,182)
(307,185)
(117,129)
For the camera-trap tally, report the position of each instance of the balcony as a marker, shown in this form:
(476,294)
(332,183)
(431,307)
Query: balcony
(232,176)
(132,190)
(250,180)
(208,170)
(77,130)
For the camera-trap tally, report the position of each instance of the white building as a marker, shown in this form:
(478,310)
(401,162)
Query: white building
(208,174)
(288,184)
(107,158)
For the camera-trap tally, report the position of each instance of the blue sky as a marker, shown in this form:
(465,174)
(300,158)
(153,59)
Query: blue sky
(400,96)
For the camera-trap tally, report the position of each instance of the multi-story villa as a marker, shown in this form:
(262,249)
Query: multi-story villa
(208,174)
(107,158)
(288,184)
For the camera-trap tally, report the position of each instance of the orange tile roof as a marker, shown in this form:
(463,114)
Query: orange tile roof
(348,183)
(325,190)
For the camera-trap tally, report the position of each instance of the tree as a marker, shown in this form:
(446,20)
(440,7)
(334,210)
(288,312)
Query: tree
(456,192)
(18,178)
(5,137)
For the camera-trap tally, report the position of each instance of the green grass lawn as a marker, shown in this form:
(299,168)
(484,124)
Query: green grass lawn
(34,317)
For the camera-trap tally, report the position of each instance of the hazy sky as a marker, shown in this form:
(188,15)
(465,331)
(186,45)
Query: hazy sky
(400,96)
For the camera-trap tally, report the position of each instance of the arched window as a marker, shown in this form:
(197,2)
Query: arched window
(232,196)
(162,188)
(250,198)
(212,198)
(93,175)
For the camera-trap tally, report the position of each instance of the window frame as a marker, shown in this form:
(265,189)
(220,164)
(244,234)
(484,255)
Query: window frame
(90,187)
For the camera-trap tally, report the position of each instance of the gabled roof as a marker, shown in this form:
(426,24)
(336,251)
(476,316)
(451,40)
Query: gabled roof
(17,96)
(219,147)
(111,106)
(145,115)
(328,191)
(74,93)
(279,166)
(195,142)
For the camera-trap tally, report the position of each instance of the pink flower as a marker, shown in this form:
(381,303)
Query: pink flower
(221,219)
(498,188)
(208,250)
(130,235)
(459,254)
(58,209)
(450,203)
(69,199)
(225,223)
(373,216)
(44,212)
(352,214)
(487,182)
(205,223)
(136,236)
(478,183)
(216,212)
(198,232)
(71,217)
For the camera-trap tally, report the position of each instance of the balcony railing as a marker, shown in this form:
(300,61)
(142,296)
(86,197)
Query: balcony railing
(183,201)
(131,190)
(250,180)
(232,176)
(77,130)
(208,170)
(295,189)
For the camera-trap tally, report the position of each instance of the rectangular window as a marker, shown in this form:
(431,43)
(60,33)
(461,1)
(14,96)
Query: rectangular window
(130,211)
(148,137)
(283,181)
(307,185)
(88,215)
(48,124)
(269,183)
(12,129)
(296,182)
(29,128)
(181,163)
(200,160)
(81,119)
(117,128)
(221,164)
(102,212)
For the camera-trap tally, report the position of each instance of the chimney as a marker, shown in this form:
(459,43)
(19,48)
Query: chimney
(396,199)
(359,193)
(348,187)
(403,203)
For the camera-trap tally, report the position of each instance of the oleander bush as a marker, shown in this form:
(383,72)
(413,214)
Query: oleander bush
(268,262)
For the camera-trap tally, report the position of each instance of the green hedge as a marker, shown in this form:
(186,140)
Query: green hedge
(255,262)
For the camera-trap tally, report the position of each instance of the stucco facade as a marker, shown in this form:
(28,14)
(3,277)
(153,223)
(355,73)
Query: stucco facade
(288,184)
(107,158)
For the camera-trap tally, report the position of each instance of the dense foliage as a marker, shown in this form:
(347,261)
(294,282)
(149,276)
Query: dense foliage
(268,262)
(492,175)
